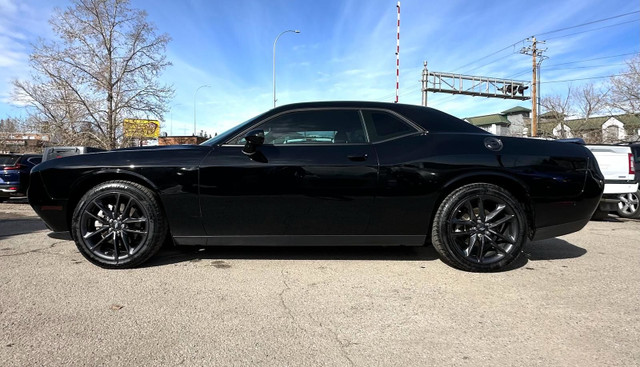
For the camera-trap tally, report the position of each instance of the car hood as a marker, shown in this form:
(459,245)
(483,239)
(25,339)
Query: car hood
(125,157)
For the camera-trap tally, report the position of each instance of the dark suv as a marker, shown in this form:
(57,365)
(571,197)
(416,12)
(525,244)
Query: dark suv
(629,205)
(14,174)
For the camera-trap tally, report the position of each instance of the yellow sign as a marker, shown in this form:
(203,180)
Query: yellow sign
(139,128)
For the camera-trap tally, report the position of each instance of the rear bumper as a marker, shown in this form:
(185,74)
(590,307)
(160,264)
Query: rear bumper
(557,218)
(560,229)
(620,187)
(10,189)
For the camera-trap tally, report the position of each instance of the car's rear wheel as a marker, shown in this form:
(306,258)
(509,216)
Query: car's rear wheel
(629,205)
(479,227)
(118,224)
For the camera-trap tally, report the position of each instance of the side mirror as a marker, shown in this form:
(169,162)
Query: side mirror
(254,138)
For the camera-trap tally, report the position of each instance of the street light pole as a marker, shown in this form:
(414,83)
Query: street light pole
(194,106)
(274,62)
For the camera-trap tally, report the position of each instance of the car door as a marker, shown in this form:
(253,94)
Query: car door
(315,175)
(405,185)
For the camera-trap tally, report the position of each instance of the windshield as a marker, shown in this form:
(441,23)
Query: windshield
(222,137)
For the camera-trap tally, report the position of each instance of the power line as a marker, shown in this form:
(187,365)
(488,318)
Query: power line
(550,32)
(491,54)
(596,58)
(553,66)
(593,77)
(592,22)
(553,31)
(585,67)
(488,63)
(593,29)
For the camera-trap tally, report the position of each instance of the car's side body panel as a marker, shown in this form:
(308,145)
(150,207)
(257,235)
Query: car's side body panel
(288,190)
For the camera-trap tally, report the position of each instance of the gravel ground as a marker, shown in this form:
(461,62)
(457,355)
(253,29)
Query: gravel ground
(569,301)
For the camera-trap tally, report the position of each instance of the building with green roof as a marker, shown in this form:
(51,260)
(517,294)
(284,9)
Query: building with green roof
(599,129)
(512,122)
(516,121)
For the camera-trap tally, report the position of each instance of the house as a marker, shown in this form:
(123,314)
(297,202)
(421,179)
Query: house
(600,129)
(512,122)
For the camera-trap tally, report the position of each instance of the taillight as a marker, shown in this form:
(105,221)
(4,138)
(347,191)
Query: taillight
(632,169)
(12,168)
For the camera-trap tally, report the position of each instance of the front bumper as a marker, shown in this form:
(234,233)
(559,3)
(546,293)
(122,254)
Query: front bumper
(53,212)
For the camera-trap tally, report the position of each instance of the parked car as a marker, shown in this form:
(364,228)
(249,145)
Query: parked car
(14,174)
(59,152)
(629,203)
(617,167)
(325,173)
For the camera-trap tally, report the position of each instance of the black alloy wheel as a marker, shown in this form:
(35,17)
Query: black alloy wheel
(479,227)
(629,205)
(118,224)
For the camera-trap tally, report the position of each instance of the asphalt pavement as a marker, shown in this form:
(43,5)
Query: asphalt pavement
(569,301)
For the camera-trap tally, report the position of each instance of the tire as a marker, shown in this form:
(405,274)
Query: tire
(479,227)
(629,205)
(118,224)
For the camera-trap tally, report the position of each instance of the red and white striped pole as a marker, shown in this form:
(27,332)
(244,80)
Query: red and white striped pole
(398,55)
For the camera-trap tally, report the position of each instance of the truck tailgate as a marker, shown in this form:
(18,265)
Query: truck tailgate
(614,162)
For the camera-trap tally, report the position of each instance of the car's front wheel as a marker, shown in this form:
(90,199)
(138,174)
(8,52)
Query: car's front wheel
(118,224)
(629,205)
(479,227)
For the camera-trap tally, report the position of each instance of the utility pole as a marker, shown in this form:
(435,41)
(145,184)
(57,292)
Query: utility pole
(534,51)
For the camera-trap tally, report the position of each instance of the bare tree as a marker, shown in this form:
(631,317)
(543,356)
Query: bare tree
(625,89)
(589,100)
(103,67)
(558,108)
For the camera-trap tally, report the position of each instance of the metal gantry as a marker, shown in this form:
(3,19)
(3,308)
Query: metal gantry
(481,86)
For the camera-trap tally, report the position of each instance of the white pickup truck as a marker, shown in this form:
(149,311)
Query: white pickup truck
(617,165)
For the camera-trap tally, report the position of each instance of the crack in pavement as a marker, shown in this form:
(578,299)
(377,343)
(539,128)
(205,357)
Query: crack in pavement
(342,344)
(284,305)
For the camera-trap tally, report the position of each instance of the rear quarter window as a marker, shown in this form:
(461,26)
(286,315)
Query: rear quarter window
(384,126)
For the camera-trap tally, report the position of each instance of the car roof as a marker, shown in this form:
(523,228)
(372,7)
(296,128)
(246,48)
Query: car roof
(428,118)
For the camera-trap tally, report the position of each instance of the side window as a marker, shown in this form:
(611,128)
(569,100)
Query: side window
(383,126)
(313,127)
(35,160)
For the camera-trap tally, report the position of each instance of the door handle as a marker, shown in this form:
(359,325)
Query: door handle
(358,157)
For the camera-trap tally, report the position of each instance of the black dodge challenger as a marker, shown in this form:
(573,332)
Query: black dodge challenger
(325,173)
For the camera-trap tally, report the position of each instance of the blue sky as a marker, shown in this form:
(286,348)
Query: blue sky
(346,50)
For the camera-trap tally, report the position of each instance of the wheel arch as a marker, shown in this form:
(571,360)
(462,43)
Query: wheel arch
(87,182)
(516,187)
